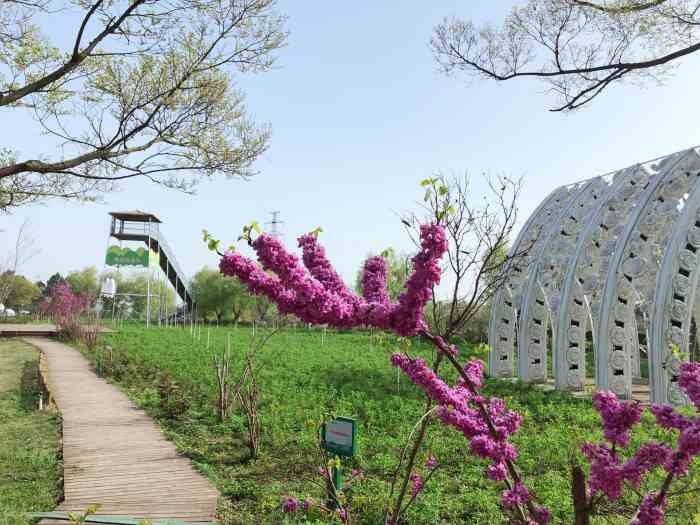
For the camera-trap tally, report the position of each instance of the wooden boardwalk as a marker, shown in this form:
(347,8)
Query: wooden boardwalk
(18,330)
(24,329)
(113,453)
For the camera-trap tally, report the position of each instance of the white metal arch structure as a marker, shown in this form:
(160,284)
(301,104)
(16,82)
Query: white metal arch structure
(605,253)
(631,274)
(534,311)
(503,321)
(574,312)
(550,274)
(674,299)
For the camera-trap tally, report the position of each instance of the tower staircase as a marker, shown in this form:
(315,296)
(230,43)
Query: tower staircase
(145,227)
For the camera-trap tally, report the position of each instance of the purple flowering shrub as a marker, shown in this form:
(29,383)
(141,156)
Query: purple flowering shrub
(316,294)
(610,474)
(65,308)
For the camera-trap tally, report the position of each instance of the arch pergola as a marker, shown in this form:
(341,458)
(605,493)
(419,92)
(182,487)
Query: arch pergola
(601,267)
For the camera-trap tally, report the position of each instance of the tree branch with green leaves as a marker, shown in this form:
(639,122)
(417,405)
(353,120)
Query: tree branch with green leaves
(148,89)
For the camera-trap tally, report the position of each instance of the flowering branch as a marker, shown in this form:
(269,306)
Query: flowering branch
(315,294)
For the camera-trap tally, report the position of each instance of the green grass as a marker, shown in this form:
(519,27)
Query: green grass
(304,379)
(30,466)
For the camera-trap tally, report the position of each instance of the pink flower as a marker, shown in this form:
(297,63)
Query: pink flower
(374,276)
(516,496)
(689,381)
(689,440)
(431,462)
(474,370)
(455,411)
(314,257)
(650,512)
(65,307)
(290,504)
(308,504)
(647,457)
(343,515)
(321,298)
(445,347)
(417,484)
(668,418)
(497,472)
(618,418)
(542,515)
(606,474)
(407,318)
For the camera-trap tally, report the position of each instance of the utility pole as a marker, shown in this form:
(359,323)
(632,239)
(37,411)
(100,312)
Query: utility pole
(275,225)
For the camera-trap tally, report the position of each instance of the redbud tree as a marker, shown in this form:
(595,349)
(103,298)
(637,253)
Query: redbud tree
(65,307)
(312,290)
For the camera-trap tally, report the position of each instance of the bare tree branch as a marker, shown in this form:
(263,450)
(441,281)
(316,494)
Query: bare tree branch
(478,231)
(579,48)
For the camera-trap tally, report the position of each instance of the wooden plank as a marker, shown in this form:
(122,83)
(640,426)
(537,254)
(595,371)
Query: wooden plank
(114,455)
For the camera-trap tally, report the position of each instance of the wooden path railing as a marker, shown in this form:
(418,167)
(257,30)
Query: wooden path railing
(113,453)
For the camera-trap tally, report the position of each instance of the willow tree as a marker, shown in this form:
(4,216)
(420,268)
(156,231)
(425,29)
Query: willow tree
(578,48)
(146,89)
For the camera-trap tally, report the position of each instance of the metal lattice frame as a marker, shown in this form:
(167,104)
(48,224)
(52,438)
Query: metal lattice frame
(598,255)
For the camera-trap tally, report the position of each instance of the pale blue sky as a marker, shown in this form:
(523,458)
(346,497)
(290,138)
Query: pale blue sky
(359,116)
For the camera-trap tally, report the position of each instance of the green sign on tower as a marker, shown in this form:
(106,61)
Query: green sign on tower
(117,256)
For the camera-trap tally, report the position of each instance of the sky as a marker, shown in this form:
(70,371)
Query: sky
(359,115)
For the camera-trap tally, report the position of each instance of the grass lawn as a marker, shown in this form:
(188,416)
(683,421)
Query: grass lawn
(30,466)
(303,378)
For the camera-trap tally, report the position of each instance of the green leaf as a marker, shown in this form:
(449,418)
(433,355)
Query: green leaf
(442,190)
(255,227)
(426,197)
(213,245)
(316,232)
(426,182)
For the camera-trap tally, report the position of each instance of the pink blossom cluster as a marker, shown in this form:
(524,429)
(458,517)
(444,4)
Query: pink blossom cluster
(608,473)
(518,495)
(315,260)
(651,510)
(618,418)
(291,505)
(689,381)
(417,484)
(315,293)
(374,276)
(458,409)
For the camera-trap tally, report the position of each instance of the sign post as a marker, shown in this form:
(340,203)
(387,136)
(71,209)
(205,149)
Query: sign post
(339,437)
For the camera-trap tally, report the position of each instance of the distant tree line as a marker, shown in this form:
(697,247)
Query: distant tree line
(225,300)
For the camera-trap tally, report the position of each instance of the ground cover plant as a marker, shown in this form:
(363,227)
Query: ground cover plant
(30,465)
(307,375)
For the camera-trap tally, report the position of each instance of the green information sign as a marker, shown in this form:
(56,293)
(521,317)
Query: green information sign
(340,436)
(117,256)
